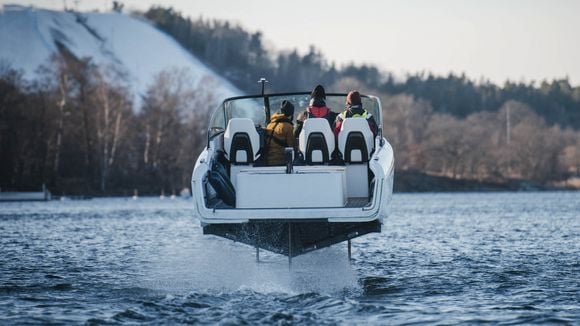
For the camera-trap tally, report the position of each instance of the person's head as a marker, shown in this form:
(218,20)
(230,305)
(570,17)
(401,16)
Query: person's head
(318,96)
(353,100)
(287,108)
(318,92)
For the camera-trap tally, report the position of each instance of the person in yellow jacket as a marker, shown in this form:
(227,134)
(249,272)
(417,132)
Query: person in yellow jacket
(279,134)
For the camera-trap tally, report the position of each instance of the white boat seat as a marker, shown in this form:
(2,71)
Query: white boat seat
(316,141)
(355,140)
(241,141)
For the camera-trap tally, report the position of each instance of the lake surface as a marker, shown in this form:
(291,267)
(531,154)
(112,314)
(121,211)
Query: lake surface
(506,258)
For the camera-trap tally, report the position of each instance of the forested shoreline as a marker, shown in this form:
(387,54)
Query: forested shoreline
(243,57)
(76,130)
(445,126)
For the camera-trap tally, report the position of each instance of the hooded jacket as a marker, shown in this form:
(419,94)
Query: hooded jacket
(315,112)
(355,112)
(278,136)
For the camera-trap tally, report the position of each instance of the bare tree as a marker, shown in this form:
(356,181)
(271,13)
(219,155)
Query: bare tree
(63,90)
(347,83)
(570,156)
(112,107)
(446,145)
(405,121)
(534,148)
(196,124)
(174,120)
(483,132)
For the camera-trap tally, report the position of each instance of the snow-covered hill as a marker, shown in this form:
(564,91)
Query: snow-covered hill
(28,37)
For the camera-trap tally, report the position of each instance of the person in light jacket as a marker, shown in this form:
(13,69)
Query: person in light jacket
(354,108)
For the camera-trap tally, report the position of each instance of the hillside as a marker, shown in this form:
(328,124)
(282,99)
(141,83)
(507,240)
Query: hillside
(30,36)
(79,131)
(243,56)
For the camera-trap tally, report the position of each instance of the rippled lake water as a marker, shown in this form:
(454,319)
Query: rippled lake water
(441,258)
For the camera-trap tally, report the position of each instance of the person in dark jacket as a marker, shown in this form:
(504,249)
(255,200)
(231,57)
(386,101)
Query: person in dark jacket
(279,134)
(316,109)
(354,108)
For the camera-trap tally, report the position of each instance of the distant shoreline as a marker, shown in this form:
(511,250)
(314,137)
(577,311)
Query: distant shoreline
(404,182)
(413,182)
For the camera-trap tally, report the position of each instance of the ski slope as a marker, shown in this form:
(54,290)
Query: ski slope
(29,36)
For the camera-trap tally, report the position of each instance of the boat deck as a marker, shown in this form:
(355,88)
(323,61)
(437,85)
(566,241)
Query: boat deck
(352,202)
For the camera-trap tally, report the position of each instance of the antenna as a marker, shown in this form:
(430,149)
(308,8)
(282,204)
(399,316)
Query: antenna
(262,81)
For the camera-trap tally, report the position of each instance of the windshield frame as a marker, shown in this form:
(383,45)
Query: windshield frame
(220,113)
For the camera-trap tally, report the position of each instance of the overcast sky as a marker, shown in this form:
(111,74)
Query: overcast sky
(520,40)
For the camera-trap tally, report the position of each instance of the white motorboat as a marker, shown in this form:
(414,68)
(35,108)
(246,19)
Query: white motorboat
(312,202)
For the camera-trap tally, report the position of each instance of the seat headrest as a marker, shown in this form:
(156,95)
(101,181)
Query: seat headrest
(361,127)
(316,125)
(242,127)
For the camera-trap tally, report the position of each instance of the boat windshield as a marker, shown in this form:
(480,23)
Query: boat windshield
(259,108)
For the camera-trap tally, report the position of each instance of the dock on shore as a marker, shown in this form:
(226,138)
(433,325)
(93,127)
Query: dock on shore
(25,196)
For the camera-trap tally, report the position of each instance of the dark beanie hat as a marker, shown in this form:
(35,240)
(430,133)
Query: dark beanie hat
(287,108)
(353,98)
(317,102)
(318,92)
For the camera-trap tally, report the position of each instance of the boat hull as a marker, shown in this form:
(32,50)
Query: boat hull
(292,237)
(381,164)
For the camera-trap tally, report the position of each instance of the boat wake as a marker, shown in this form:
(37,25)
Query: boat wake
(222,266)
